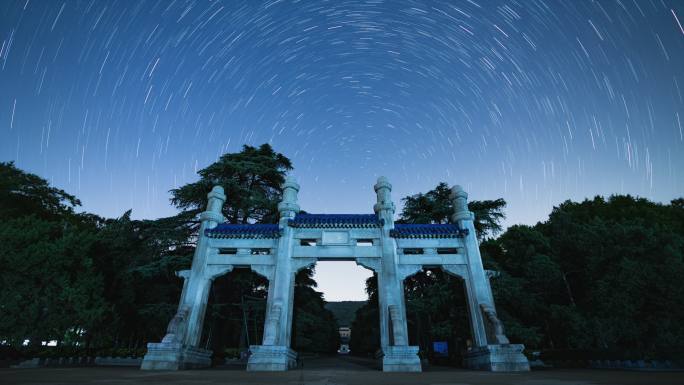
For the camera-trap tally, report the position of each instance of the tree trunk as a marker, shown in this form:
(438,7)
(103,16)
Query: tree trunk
(567,288)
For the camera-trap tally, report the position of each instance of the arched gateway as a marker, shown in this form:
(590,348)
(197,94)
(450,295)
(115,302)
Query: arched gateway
(278,251)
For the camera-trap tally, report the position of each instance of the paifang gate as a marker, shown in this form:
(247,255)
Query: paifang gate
(278,251)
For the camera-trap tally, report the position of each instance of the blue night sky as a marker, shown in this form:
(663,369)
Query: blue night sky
(537,102)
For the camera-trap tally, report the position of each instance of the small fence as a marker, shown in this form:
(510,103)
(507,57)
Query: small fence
(80,361)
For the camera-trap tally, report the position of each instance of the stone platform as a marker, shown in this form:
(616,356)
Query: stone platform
(174,356)
(401,359)
(271,358)
(497,358)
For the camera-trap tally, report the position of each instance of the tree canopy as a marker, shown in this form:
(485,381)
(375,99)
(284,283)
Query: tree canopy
(435,206)
(111,284)
(24,193)
(601,275)
(251,180)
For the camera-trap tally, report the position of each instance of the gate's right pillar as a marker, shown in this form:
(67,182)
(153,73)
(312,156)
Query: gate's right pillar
(491,349)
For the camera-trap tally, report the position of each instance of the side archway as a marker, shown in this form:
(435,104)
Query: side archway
(438,315)
(235,313)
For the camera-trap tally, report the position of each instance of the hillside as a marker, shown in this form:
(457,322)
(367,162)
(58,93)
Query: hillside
(344,311)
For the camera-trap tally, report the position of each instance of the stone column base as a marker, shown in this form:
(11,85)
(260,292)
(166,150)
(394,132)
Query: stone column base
(401,359)
(497,358)
(175,356)
(271,358)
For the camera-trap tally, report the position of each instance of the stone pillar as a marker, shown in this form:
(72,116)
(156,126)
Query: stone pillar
(179,349)
(200,282)
(397,355)
(275,354)
(486,354)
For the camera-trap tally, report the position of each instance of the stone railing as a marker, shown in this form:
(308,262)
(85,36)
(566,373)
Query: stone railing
(80,361)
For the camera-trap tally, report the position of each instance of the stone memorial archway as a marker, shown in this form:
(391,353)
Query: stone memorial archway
(278,251)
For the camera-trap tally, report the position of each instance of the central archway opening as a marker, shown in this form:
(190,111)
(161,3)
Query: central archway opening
(343,284)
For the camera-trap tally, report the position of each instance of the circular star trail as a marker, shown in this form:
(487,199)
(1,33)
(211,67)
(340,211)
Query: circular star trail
(533,101)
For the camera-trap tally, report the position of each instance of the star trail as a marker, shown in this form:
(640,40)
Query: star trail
(533,101)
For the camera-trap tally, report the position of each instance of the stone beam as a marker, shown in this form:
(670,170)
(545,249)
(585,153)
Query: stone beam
(330,251)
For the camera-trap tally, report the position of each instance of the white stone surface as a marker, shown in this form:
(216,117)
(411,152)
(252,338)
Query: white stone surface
(401,359)
(174,356)
(498,358)
(266,358)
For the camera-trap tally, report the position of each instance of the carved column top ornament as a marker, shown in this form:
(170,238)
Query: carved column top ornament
(384,207)
(213,214)
(459,199)
(288,206)
(216,195)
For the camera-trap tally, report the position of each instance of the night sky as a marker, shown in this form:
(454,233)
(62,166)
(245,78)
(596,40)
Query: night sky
(537,102)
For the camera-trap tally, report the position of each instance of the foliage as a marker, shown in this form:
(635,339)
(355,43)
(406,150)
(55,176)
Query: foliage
(365,336)
(435,206)
(602,275)
(251,180)
(344,310)
(110,283)
(236,311)
(23,193)
(599,274)
(315,328)
(78,277)
(436,310)
(137,260)
(50,284)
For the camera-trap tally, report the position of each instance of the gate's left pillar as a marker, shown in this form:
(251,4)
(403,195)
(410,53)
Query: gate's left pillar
(275,354)
(179,349)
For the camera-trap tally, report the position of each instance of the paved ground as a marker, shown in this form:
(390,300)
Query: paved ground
(330,371)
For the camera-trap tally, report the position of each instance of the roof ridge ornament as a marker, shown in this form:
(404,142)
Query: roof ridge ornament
(459,199)
(384,207)
(213,215)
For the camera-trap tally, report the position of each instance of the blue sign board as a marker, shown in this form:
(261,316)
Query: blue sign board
(441,348)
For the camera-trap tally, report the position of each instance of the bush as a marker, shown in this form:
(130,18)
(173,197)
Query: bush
(8,352)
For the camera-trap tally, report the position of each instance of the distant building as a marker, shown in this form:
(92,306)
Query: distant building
(345,335)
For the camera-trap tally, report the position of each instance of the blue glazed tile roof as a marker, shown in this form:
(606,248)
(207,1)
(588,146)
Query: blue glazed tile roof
(335,220)
(427,231)
(227,230)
